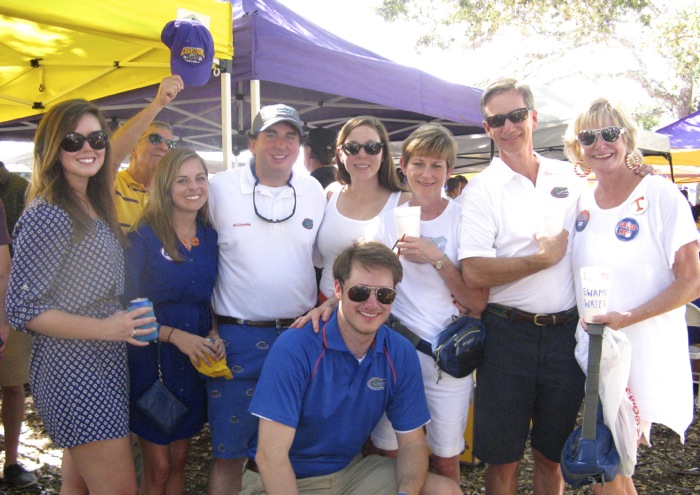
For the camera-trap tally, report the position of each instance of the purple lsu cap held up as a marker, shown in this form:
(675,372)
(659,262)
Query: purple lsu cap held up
(272,114)
(191,50)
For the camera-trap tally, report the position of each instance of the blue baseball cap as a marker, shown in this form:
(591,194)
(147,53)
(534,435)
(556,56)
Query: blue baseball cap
(273,114)
(191,50)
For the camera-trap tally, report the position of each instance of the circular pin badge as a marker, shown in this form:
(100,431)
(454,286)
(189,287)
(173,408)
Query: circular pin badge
(627,229)
(582,220)
(165,254)
(639,205)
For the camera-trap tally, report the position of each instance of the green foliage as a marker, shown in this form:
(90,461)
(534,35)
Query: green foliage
(671,33)
(565,19)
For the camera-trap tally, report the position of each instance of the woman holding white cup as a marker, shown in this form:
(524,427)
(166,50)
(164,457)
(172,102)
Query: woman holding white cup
(641,229)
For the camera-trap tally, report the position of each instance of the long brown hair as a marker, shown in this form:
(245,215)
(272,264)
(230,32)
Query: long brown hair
(387,172)
(158,212)
(48,178)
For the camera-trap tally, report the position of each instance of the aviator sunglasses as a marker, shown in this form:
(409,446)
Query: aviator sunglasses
(360,293)
(371,148)
(74,142)
(517,115)
(609,134)
(156,139)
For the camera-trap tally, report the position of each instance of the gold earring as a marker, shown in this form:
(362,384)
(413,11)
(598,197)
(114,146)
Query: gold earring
(633,161)
(585,169)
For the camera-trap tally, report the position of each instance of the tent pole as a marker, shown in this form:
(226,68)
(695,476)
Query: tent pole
(226,121)
(254,100)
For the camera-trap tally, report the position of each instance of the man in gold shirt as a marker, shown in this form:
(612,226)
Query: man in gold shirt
(146,141)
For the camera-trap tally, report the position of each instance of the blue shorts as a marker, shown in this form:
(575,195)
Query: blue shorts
(232,426)
(529,376)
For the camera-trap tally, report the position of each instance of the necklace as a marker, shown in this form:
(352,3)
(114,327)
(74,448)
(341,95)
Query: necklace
(194,242)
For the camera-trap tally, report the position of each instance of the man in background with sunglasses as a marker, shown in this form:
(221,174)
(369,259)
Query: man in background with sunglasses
(267,219)
(146,141)
(321,394)
(529,382)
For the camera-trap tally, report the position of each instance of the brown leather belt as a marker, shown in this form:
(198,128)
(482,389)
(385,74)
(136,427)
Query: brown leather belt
(539,319)
(279,323)
(252,466)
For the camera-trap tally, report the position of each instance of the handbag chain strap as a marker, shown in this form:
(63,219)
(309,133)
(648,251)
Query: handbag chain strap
(160,370)
(590,404)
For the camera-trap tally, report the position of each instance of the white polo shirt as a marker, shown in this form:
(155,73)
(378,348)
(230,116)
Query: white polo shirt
(265,269)
(500,217)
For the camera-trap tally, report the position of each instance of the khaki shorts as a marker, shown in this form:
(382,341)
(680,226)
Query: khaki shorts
(372,474)
(14,364)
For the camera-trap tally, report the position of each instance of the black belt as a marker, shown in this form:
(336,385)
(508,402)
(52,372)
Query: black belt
(252,466)
(279,323)
(539,319)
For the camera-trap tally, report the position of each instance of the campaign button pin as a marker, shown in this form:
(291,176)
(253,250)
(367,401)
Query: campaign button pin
(582,220)
(627,229)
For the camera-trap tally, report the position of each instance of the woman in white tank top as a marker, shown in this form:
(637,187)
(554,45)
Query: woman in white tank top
(369,185)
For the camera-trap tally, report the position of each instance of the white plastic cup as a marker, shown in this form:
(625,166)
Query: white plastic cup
(551,222)
(595,284)
(407,221)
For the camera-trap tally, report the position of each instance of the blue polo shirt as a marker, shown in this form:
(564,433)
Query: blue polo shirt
(313,383)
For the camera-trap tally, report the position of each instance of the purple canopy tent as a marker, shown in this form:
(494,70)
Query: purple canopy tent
(294,61)
(684,133)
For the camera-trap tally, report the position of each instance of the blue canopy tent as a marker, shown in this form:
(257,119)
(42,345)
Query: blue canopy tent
(280,56)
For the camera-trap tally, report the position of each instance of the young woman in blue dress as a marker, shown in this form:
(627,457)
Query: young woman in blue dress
(171,258)
(66,279)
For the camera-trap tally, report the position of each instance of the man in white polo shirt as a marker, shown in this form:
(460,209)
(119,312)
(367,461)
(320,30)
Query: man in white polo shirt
(267,219)
(529,375)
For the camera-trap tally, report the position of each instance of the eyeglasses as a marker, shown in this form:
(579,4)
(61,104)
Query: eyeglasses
(371,148)
(74,142)
(499,120)
(156,139)
(255,206)
(609,134)
(360,293)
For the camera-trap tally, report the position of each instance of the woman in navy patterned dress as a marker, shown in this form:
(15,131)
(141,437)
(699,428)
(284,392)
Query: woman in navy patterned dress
(171,259)
(66,279)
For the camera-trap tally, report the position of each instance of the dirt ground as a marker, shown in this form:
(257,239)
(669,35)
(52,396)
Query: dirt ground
(668,468)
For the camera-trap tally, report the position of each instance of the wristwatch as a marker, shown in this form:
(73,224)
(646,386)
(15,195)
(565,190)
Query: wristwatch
(441,262)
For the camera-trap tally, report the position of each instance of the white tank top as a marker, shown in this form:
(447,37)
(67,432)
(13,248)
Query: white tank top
(338,231)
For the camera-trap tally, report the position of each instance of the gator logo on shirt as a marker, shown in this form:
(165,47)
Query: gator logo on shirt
(376,383)
(560,192)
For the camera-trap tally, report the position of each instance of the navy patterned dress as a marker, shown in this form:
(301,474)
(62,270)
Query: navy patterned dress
(80,387)
(181,295)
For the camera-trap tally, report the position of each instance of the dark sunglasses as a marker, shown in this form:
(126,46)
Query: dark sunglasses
(360,293)
(499,120)
(74,142)
(609,134)
(371,148)
(156,139)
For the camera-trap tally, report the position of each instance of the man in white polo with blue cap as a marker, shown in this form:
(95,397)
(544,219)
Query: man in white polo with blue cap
(267,218)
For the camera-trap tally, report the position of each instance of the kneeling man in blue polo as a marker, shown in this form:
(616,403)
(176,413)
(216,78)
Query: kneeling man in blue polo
(320,395)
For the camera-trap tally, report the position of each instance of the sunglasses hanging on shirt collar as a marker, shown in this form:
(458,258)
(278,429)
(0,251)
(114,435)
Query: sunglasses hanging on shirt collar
(255,206)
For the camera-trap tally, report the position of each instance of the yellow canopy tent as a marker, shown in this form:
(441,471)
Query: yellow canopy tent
(54,50)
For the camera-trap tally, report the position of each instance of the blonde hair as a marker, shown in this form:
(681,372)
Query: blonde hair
(432,140)
(600,113)
(159,209)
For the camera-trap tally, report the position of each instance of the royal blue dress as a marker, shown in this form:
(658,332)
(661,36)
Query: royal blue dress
(181,295)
